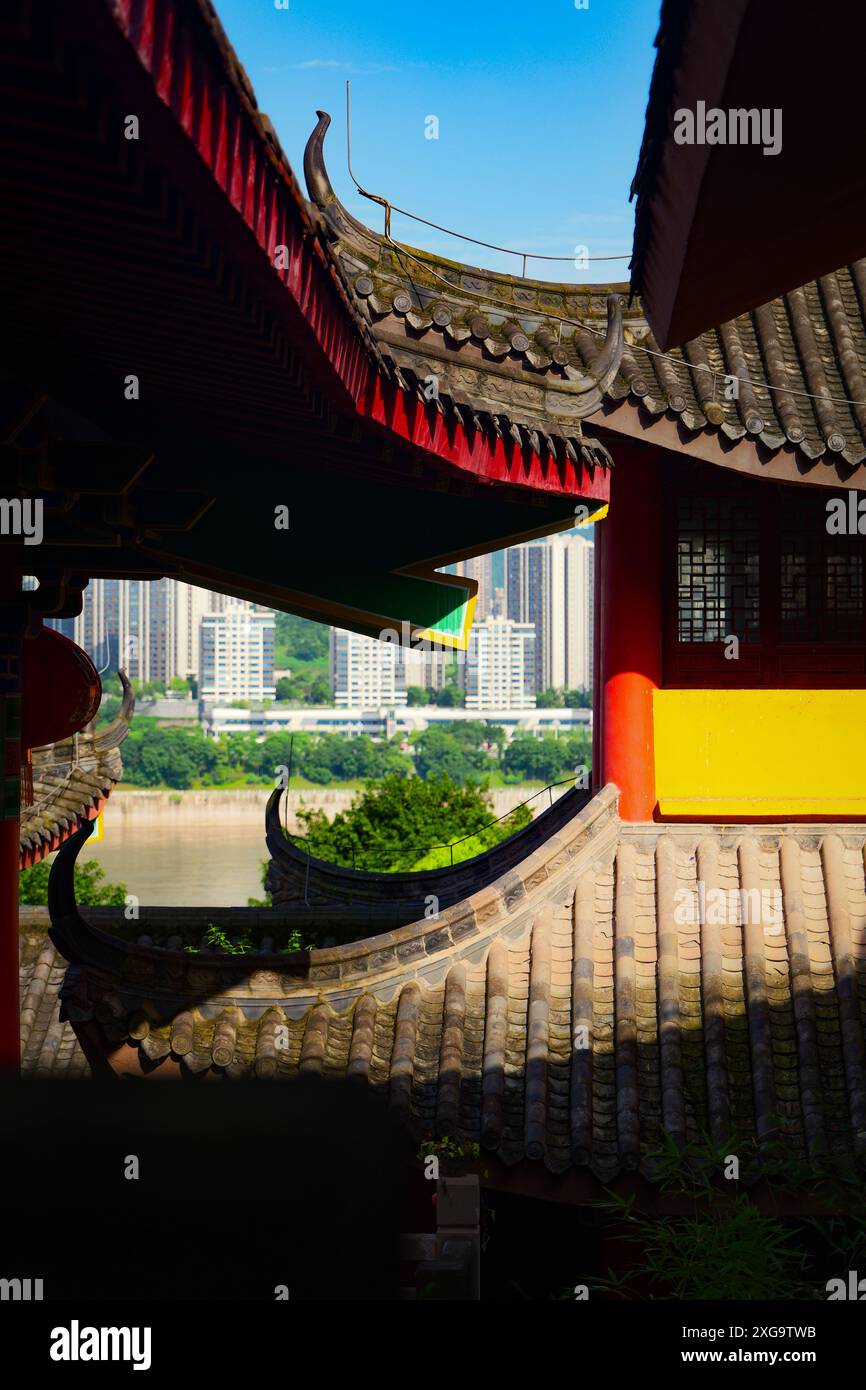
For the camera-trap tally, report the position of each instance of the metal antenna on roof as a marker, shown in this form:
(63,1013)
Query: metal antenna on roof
(374,197)
(449,231)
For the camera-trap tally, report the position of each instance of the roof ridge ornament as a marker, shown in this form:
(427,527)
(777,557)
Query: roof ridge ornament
(588,387)
(315,173)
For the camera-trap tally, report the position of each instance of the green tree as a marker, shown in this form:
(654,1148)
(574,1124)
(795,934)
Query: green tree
(448,698)
(319,692)
(579,749)
(331,757)
(90,891)
(536,759)
(471,732)
(155,757)
(112,694)
(464,750)
(557,698)
(305,687)
(441,750)
(299,639)
(108,709)
(395,823)
(149,690)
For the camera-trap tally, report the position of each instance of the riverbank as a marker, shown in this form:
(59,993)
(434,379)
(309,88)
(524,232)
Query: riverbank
(247,806)
(204,848)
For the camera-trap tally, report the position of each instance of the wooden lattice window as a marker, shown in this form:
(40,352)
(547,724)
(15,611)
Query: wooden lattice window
(717,569)
(755,561)
(821,579)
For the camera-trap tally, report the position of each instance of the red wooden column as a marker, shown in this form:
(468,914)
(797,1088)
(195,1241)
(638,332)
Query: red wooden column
(11,627)
(629,611)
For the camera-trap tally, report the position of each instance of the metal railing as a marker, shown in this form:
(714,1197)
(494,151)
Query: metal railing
(450,231)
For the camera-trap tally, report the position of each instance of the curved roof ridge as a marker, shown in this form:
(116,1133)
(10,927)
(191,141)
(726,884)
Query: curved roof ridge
(339,973)
(783,378)
(72,780)
(635,986)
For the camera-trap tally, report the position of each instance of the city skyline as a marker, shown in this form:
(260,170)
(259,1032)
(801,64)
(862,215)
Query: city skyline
(532,632)
(164,630)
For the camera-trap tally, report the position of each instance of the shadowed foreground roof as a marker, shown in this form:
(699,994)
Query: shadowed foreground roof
(48,1047)
(563,1014)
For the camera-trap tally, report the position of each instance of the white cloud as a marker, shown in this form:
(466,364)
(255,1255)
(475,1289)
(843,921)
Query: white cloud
(368,69)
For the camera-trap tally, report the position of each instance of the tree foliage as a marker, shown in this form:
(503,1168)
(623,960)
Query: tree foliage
(545,759)
(464,751)
(304,687)
(394,824)
(298,639)
(559,698)
(154,756)
(90,890)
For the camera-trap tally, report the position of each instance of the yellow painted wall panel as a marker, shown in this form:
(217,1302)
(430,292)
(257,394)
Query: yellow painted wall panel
(760,752)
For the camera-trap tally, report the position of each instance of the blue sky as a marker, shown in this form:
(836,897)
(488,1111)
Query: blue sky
(540,109)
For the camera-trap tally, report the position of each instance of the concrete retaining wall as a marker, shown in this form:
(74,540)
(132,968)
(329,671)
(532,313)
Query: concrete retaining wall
(249,806)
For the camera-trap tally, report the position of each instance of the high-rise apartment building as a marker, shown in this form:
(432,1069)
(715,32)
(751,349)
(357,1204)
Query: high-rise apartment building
(549,583)
(129,623)
(237,653)
(191,604)
(479,568)
(366,673)
(426,666)
(570,623)
(152,628)
(499,671)
(527,599)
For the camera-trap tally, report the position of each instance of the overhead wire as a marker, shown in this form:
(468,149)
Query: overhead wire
(547,316)
(449,231)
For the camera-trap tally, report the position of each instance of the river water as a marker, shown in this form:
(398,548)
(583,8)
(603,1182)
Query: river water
(205,848)
(210,864)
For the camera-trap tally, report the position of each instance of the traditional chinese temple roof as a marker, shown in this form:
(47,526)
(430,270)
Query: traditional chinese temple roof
(295,877)
(72,780)
(800,362)
(570,1013)
(519,351)
(300,381)
(194,363)
(722,227)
